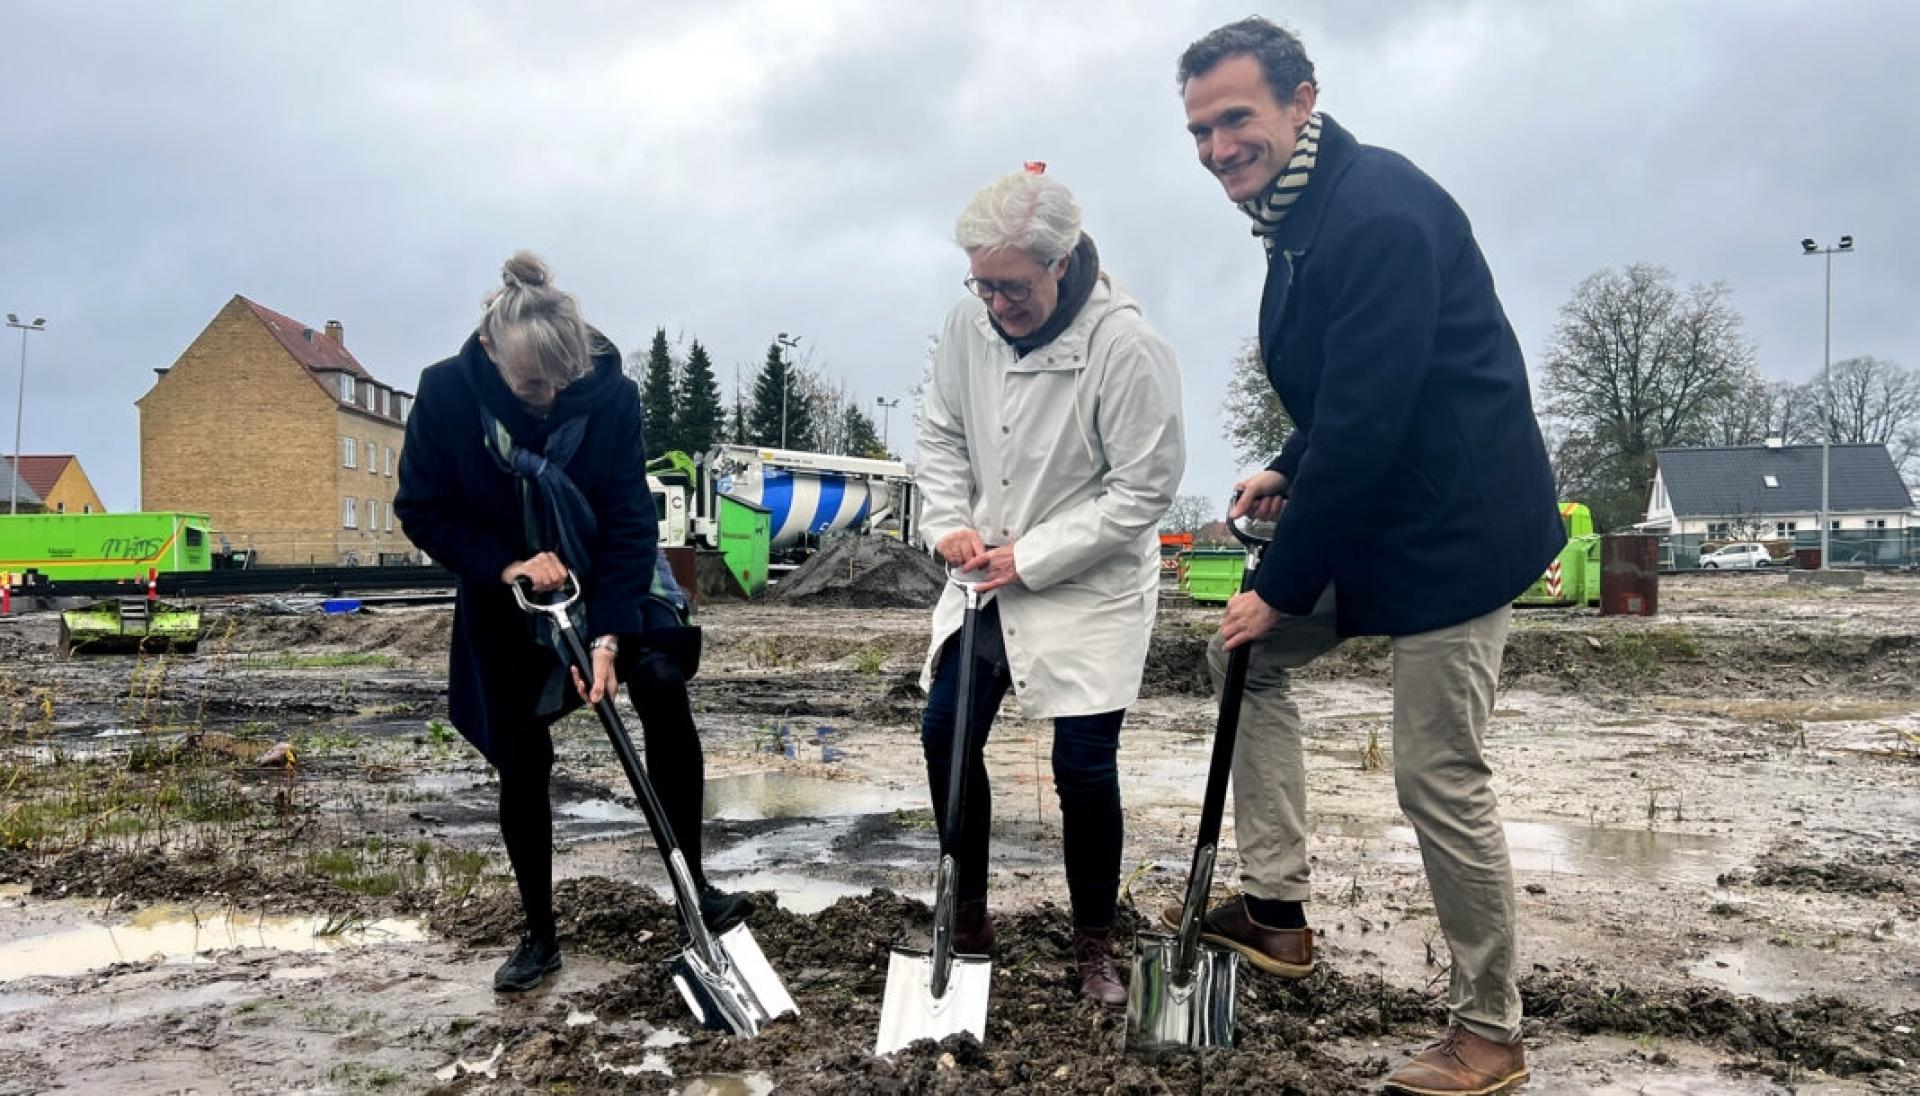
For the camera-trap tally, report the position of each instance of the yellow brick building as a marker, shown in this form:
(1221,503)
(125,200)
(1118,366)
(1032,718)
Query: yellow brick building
(272,429)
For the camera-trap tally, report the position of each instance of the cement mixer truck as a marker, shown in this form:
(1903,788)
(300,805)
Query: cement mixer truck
(759,509)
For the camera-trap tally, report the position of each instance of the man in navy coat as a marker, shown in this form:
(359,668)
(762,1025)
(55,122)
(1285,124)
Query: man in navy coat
(1413,500)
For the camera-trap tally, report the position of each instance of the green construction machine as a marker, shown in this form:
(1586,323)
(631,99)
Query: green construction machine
(126,624)
(1573,578)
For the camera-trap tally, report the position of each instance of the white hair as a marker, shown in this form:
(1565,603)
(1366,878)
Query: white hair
(1022,211)
(538,319)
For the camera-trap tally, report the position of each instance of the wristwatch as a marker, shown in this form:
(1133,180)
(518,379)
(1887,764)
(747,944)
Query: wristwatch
(610,644)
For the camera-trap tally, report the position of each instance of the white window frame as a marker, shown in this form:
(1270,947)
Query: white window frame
(349,512)
(373,465)
(389,517)
(1770,480)
(1719,530)
(1785,529)
(389,451)
(349,452)
(381,395)
(346,388)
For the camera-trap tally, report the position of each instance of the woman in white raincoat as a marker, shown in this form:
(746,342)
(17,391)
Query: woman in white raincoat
(1050,446)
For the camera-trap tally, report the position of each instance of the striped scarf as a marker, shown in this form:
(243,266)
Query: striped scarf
(1270,206)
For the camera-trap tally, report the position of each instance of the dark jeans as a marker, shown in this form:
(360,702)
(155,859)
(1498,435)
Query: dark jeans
(654,686)
(1085,774)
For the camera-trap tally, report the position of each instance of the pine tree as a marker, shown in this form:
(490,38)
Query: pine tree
(697,406)
(778,383)
(656,398)
(862,439)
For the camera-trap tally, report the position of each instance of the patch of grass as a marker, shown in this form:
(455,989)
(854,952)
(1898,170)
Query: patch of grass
(869,660)
(323,661)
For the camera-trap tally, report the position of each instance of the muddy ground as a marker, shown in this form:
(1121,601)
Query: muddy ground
(1713,819)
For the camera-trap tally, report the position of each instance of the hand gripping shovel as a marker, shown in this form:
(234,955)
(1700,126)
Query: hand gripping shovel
(931,995)
(726,980)
(1182,990)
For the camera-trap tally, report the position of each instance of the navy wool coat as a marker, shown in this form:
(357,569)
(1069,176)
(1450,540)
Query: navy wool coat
(1419,484)
(460,507)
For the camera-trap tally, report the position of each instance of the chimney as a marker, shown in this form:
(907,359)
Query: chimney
(336,332)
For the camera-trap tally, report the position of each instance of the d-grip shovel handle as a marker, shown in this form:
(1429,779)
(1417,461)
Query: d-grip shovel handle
(947,883)
(576,656)
(1219,769)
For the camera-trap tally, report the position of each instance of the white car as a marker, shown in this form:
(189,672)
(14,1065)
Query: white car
(1737,557)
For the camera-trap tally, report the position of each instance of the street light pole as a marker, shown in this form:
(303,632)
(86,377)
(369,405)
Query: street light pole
(786,379)
(19,401)
(1808,247)
(886,417)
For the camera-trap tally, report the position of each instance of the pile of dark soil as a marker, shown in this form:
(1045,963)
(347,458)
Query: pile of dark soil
(408,633)
(865,572)
(198,874)
(1041,1038)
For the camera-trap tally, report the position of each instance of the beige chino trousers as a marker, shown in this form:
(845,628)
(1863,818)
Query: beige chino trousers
(1443,694)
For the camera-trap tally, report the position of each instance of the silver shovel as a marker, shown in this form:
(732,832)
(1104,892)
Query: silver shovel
(726,979)
(937,993)
(1181,995)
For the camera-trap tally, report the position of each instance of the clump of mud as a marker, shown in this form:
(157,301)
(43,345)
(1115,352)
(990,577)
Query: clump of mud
(865,572)
(197,873)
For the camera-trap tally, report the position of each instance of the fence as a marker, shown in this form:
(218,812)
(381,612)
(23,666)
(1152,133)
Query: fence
(1849,547)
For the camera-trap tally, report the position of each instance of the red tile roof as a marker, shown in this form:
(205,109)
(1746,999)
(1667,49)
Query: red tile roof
(41,472)
(309,346)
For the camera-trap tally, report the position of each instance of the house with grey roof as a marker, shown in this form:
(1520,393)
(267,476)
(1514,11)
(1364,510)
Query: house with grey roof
(1771,492)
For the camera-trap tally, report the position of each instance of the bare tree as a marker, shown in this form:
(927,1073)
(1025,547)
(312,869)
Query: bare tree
(1755,409)
(1636,364)
(1869,400)
(1188,513)
(1257,424)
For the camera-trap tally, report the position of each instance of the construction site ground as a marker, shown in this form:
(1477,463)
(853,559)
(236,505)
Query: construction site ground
(271,866)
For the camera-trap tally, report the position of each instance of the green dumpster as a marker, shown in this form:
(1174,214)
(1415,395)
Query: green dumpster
(1213,574)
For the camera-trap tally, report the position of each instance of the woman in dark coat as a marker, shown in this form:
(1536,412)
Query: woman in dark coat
(524,458)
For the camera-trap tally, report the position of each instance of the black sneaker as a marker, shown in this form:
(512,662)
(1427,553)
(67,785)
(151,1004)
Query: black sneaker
(721,910)
(530,964)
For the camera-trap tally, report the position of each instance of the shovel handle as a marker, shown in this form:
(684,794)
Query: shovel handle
(575,654)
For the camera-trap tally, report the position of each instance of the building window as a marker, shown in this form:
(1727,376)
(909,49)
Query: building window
(59,507)
(373,464)
(349,514)
(1785,529)
(86,508)
(389,460)
(349,453)
(346,388)
(1877,523)
(1717,530)
(389,517)
(1834,525)
(1770,481)
(400,407)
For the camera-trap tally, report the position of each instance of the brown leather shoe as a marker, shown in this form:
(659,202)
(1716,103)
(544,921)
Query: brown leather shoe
(1285,952)
(1099,981)
(972,928)
(1462,1064)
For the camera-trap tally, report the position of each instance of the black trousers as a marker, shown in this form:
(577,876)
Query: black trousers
(658,694)
(1086,775)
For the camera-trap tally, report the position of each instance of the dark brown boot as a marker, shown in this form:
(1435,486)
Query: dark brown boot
(1285,952)
(1462,1064)
(972,928)
(1099,981)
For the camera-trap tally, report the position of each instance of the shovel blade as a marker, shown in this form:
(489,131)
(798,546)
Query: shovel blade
(910,1012)
(1163,1014)
(739,999)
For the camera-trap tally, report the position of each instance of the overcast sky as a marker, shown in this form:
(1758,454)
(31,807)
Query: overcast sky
(733,170)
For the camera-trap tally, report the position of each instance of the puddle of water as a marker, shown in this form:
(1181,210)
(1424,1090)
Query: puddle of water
(1766,975)
(1552,848)
(727,1084)
(802,894)
(602,810)
(20,1002)
(753,796)
(170,934)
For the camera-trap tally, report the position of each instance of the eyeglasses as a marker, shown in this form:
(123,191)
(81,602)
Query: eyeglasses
(1011,292)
